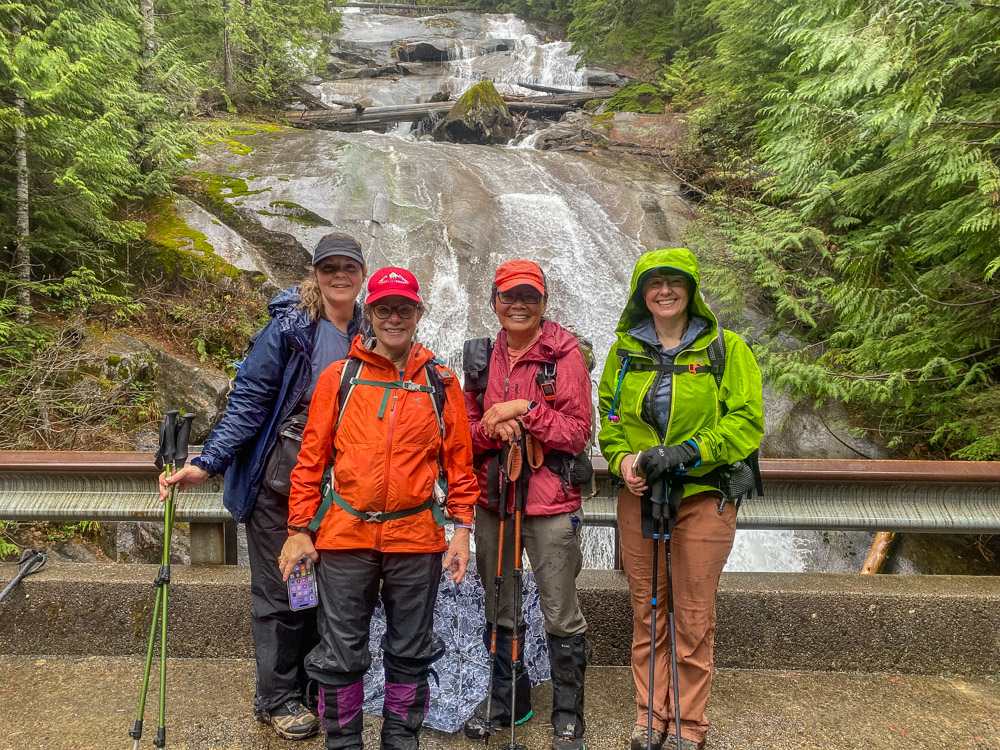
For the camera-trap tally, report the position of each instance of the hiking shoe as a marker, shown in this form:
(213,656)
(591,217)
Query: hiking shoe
(670,743)
(567,740)
(640,737)
(291,720)
(476,728)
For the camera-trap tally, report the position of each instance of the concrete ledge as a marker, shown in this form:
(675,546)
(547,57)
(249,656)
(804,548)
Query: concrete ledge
(823,622)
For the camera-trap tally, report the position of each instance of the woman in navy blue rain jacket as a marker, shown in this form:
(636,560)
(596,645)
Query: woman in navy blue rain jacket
(256,444)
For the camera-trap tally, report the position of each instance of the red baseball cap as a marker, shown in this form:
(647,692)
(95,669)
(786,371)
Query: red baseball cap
(517,272)
(390,281)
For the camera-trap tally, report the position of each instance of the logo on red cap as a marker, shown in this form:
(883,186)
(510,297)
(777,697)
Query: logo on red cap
(391,281)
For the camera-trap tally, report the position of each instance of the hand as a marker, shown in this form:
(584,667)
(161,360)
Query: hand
(503,412)
(296,547)
(456,559)
(509,431)
(662,459)
(636,484)
(186,478)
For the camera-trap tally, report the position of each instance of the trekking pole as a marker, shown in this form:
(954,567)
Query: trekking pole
(520,496)
(31,562)
(497,583)
(171,455)
(675,495)
(657,496)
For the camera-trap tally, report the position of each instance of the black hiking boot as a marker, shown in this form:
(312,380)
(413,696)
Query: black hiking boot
(477,727)
(568,659)
(670,743)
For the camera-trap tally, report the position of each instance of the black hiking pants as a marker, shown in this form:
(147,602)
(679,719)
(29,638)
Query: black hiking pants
(348,582)
(281,637)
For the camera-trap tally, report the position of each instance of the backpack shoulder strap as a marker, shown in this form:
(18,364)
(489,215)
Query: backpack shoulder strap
(438,375)
(717,356)
(352,368)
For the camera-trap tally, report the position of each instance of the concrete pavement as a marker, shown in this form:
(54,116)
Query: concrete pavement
(89,703)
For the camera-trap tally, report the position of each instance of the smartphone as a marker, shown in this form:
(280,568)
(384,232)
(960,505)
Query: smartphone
(302,592)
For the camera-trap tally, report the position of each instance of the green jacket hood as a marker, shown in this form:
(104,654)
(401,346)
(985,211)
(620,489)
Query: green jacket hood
(680,259)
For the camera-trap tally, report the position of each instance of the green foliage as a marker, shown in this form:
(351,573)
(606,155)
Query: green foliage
(8,547)
(867,212)
(637,97)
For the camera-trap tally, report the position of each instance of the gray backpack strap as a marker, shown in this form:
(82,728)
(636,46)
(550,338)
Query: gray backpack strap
(717,357)
(352,368)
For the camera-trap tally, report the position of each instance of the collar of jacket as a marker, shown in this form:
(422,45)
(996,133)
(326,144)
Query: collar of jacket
(295,323)
(554,343)
(419,356)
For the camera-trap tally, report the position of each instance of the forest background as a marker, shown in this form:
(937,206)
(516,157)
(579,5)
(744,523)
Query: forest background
(843,156)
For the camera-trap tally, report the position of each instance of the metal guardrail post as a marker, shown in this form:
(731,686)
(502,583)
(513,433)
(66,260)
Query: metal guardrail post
(208,544)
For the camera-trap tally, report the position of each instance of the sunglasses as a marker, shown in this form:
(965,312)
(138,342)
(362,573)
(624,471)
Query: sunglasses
(528,298)
(658,282)
(384,312)
(328,269)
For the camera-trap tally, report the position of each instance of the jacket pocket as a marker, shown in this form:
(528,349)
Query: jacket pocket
(284,455)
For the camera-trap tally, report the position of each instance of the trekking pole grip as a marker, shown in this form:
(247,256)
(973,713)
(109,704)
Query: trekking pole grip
(168,435)
(183,433)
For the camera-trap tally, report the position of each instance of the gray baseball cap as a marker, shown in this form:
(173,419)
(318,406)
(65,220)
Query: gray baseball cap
(338,244)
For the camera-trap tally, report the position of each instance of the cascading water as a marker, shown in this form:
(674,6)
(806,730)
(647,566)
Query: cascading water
(451,213)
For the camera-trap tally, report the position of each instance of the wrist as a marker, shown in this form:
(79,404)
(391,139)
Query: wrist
(293,530)
(461,528)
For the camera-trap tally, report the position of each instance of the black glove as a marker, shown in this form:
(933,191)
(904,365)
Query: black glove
(662,459)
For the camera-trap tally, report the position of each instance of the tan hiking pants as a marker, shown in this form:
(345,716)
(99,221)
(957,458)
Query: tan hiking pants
(699,548)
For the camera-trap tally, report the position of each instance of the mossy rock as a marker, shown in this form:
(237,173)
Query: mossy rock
(182,249)
(294,212)
(479,116)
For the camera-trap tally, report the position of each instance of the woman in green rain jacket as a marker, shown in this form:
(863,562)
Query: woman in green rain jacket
(663,412)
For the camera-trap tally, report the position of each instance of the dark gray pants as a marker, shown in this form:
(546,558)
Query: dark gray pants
(281,637)
(348,583)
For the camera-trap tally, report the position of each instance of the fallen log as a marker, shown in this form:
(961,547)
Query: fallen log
(879,552)
(548,89)
(408,6)
(378,116)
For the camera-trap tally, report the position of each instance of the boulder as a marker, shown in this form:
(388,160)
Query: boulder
(479,116)
(604,78)
(178,384)
(440,96)
(421,52)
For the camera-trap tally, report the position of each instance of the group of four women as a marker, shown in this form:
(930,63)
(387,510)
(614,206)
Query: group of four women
(383,423)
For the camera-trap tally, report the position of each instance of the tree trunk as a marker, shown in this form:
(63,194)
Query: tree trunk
(22,251)
(147,36)
(879,552)
(228,52)
(147,10)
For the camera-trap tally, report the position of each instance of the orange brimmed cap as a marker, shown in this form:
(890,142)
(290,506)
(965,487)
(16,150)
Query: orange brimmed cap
(518,272)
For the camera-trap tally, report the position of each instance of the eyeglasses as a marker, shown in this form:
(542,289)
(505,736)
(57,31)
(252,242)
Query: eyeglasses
(328,269)
(658,282)
(384,312)
(528,298)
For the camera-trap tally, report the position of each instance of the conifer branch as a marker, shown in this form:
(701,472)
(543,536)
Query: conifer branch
(948,304)
(881,376)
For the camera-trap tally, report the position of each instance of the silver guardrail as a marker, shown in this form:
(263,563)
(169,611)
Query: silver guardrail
(806,494)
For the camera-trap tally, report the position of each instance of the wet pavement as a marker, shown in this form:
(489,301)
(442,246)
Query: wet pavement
(70,703)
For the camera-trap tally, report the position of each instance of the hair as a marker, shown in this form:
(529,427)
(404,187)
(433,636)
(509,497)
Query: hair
(312,298)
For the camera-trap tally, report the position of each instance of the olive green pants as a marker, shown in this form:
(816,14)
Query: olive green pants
(553,547)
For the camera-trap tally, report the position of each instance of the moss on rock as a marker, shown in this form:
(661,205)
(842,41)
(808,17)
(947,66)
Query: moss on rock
(294,212)
(182,249)
(479,116)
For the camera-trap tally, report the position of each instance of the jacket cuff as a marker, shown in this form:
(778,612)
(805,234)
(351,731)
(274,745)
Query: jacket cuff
(204,465)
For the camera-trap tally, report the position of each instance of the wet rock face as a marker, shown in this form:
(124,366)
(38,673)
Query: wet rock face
(480,116)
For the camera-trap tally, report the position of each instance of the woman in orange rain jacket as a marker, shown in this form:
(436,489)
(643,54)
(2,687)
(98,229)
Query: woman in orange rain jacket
(381,522)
